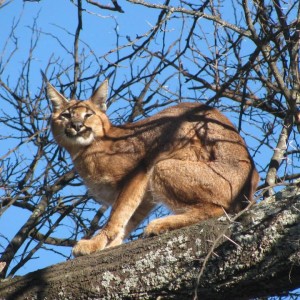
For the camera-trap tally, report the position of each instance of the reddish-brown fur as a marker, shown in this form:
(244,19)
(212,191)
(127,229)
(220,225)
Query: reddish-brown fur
(188,156)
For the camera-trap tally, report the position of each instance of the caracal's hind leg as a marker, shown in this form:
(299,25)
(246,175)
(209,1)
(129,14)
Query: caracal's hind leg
(196,190)
(189,217)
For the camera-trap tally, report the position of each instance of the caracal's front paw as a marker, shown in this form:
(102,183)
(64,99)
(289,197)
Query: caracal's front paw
(86,247)
(83,247)
(156,227)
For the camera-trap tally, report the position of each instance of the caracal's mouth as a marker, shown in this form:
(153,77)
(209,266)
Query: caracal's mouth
(82,137)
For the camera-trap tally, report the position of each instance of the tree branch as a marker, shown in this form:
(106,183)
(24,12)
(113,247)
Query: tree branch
(195,13)
(115,7)
(279,154)
(76,50)
(261,247)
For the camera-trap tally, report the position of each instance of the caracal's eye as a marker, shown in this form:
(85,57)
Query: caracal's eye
(87,115)
(65,115)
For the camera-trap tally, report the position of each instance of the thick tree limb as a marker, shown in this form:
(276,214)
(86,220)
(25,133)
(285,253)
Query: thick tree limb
(258,256)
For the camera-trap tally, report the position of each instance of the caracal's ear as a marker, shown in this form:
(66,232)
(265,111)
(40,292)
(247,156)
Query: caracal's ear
(57,99)
(100,95)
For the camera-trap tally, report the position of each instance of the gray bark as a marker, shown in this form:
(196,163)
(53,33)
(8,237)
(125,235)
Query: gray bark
(256,255)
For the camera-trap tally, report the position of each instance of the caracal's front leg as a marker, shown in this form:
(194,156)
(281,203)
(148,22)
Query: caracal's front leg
(124,207)
(137,218)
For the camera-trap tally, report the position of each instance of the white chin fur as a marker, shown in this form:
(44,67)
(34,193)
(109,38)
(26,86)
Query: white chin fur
(79,140)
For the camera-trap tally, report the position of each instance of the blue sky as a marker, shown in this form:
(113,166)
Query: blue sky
(59,18)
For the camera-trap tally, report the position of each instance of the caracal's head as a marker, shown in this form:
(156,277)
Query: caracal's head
(77,123)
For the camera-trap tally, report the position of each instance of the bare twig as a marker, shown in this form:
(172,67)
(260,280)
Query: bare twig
(115,7)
